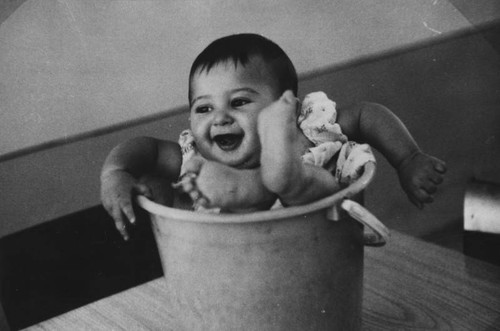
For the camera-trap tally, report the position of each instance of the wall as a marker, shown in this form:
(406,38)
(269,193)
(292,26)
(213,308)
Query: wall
(446,92)
(71,67)
(59,181)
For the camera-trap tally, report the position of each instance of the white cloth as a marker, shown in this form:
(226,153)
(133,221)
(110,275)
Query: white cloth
(318,122)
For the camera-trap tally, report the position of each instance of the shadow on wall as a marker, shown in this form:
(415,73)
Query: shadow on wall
(8,7)
(448,95)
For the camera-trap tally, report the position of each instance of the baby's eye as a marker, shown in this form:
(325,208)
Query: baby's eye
(202,109)
(239,102)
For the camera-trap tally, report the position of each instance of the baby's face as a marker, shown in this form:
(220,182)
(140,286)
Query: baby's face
(225,104)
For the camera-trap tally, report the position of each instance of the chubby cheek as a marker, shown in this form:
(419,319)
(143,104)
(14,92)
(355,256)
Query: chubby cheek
(199,126)
(201,135)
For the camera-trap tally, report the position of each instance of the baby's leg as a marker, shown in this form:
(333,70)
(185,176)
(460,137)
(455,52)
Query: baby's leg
(282,146)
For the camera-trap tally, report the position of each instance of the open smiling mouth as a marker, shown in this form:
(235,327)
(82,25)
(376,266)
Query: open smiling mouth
(228,142)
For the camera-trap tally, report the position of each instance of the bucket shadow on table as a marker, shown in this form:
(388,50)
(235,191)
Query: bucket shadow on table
(69,262)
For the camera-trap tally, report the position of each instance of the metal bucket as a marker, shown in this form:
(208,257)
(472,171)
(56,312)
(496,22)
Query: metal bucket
(297,268)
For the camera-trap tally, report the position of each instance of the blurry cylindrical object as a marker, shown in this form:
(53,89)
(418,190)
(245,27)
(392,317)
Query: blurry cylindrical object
(482,207)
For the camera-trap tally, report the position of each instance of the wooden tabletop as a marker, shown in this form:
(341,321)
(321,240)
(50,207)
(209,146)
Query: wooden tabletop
(409,284)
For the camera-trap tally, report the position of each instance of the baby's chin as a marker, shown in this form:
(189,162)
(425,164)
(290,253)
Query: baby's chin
(233,160)
(249,163)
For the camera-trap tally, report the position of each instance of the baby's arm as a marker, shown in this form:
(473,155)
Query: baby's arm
(419,173)
(123,169)
(232,190)
(283,171)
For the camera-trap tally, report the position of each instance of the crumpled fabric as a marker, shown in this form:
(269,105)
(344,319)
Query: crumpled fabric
(188,149)
(351,160)
(318,119)
(318,122)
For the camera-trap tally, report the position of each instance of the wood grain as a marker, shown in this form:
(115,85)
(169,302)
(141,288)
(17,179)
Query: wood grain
(412,285)
(409,285)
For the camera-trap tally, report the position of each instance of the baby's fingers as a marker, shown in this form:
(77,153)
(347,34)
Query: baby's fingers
(436,178)
(439,166)
(128,211)
(120,225)
(429,187)
(142,189)
(423,196)
(416,202)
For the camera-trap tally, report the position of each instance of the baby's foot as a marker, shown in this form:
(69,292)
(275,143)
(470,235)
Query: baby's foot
(282,145)
(209,184)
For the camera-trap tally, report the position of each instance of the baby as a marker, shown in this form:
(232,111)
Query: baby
(286,152)
(244,150)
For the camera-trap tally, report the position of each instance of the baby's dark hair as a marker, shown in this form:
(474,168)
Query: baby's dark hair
(239,48)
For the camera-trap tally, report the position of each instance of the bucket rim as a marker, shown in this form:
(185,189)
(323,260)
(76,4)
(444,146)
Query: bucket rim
(265,215)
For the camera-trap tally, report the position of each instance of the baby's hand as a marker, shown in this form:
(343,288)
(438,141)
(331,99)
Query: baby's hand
(117,188)
(419,175)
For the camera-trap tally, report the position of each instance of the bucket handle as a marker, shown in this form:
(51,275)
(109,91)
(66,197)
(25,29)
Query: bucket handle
(379,232)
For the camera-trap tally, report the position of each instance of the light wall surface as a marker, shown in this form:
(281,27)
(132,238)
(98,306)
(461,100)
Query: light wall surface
(68,67)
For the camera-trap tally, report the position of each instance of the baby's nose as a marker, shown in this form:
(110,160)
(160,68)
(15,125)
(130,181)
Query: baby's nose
(222,117)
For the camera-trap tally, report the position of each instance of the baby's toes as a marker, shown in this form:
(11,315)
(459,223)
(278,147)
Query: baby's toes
(194,165)
(436,178)
(429,187)
(423,196)
(186,182)
(142,189)
(283,110)
(440,166)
